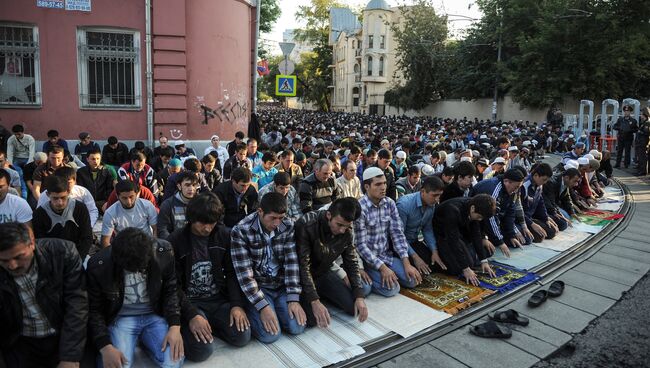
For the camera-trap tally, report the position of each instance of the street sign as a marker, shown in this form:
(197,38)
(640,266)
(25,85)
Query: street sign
(285,85)
(287,67)
(286,47)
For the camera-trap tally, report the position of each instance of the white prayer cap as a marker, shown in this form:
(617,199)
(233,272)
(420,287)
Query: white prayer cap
(468,159)
(401,154)
(513,149)
(372,173)
(499,160)
(427,170)
(589,156)
(583,161)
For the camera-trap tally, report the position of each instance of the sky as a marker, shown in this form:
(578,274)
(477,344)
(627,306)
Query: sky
(289,7)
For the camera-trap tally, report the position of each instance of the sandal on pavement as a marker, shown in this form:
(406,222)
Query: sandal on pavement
(491,330)
(509,316)
(538,298)
(556,288)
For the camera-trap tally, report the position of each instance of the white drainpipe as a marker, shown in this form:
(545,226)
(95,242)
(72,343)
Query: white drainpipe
(149,73)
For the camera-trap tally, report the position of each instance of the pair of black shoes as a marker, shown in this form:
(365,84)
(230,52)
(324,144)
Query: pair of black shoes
(540,296)
(491,329)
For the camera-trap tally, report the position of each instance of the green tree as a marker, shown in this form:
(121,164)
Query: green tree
(317,77)
(554,49)
(269,14)
(422,57)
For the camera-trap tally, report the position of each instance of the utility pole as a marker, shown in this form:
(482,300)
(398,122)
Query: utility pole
(495,100)
(255,51)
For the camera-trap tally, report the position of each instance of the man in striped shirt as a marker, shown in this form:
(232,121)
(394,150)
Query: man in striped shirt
(380,238)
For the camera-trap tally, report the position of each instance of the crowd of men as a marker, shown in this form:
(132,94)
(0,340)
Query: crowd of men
(266,234)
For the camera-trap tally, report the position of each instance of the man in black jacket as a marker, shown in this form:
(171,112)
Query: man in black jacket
(557,197)
(132,296)
(321,237)
(173,211)
(626,126)
(115,153)
(63,217)
(97,178)
(461,244)
(463,175)
(43,302)
(318,188)
(210,298)
(384,158)
(238,196)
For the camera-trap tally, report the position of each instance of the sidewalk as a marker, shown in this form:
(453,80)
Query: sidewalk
(592,287)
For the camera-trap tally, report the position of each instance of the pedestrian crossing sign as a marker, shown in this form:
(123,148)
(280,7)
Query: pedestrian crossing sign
(285,85)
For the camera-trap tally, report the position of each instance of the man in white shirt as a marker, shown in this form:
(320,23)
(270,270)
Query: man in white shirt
(348,183)
(129,211)
(222,152)
(77,192)
(12,207)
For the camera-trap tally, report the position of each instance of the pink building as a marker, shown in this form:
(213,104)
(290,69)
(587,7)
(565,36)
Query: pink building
(81,65)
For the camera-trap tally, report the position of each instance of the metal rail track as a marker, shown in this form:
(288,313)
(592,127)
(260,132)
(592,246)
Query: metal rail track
(392,345)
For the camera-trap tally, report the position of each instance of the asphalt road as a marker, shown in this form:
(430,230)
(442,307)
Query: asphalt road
(619,338)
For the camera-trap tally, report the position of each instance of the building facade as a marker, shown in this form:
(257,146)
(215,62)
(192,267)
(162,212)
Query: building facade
(364,60)
(82,66)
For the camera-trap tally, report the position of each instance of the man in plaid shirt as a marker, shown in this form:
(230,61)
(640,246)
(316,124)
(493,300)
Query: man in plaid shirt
(267,268)
(380,234)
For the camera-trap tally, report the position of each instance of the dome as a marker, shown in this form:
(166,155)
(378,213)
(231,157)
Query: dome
(377,4)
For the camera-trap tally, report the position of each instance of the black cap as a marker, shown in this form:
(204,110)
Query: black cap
(514,175)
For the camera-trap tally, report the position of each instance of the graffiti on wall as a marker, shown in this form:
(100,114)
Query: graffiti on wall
(175,133)
(226,109)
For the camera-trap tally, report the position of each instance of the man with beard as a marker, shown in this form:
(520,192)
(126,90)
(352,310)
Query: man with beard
(129,211)
(35,331)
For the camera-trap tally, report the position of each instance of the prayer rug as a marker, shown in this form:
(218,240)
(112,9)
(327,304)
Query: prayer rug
(599,218)
(527,257)
(507,278)
(446,293)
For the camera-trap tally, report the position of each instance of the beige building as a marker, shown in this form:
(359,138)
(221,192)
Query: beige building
(364,61)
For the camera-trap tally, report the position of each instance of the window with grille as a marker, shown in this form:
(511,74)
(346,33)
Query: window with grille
(381,66)
(109,69)
(19,66)
(370,41)
(382,42)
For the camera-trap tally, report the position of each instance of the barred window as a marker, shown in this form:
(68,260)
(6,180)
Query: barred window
(109,69)
(19,66)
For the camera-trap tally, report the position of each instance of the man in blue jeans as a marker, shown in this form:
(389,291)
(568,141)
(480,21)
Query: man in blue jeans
(380,238)
(267,268)
(133,297)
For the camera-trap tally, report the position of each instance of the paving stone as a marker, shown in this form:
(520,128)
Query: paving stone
(543,332)
(628,235)
(608,273)
(629,253)
(484,353)
(555,314)
(623,263)
(638,231)
(594,284)
(526,342)
(585,301)
(631,244)
(423,356)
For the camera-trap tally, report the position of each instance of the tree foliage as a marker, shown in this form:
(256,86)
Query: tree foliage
(269,14)
(316,76)
(422,57)
(550,50)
